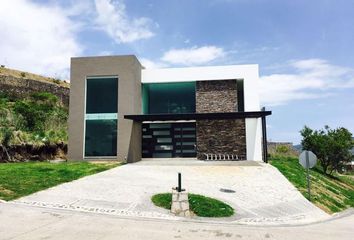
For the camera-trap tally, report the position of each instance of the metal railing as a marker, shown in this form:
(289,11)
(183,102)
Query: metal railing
(222,157)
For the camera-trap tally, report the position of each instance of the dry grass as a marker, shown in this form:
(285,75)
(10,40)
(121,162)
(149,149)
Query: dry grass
(5,191)
(26,75)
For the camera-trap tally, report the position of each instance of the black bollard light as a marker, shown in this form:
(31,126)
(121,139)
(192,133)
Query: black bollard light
(179,187)
(179,182)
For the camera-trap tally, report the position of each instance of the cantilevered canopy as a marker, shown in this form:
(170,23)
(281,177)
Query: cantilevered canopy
(197,116)
(209,116)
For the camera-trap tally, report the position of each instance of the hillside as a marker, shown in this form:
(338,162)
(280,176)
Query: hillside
(330,193)
(33,116)
(22,84)
(22,75)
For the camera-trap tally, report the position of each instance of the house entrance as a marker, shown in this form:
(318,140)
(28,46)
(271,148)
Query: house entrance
(168,140)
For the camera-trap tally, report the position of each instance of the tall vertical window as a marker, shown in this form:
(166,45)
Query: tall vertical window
(240,96)
(101,116)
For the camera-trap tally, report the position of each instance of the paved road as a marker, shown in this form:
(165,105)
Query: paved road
(262,194)
(33,223)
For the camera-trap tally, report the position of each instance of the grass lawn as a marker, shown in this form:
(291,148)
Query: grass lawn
(21,179)
(200,205)
(330,193)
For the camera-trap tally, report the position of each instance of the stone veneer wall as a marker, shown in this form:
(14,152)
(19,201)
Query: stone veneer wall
(216,96)
(219,136)
(22,87)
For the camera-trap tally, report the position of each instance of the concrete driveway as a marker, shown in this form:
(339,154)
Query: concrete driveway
(262,195)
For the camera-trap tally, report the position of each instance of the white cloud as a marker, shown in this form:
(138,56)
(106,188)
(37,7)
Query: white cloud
(312,78)
(193,56)
(149,64)
(37,38)
(113,19)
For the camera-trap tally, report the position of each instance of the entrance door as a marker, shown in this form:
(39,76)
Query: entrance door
(166,140)
(184,140)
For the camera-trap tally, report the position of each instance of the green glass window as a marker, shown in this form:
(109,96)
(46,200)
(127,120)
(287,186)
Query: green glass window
(101,117)
(101,138)
(169,98)
(101,95)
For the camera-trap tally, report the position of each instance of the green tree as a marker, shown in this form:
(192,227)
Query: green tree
(332,146)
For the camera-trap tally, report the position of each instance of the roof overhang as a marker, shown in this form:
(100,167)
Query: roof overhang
(197,116)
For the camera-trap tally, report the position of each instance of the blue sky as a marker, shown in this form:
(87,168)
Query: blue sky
(304,48)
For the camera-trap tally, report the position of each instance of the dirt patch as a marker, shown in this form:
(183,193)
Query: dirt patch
(28,152)
(5,191)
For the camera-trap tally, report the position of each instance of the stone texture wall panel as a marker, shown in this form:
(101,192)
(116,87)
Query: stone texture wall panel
(219,136)
(216,96)
(22,87)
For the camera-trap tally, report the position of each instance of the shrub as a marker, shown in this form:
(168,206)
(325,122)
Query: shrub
(282,149)
(6,135)
(45,97)
(57,81)
(23,74)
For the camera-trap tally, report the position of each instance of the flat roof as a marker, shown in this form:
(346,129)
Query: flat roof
(197,116)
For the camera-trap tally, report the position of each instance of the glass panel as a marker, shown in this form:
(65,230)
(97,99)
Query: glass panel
(101,116)
(188,143)
(189,151)
(102,95)
(160,125)
(161,133)
(169,98)
(101,138)
(163,147)
(162,155)
(188,135)
(188,129)
(145,98)
(164,140)
(147,136)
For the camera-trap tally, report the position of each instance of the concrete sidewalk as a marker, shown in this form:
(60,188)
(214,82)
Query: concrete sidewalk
(20,222)
(262,194)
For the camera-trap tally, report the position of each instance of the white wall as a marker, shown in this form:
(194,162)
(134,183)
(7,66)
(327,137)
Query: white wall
(249,73)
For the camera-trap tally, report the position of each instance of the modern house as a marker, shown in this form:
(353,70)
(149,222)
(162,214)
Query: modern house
(119,110)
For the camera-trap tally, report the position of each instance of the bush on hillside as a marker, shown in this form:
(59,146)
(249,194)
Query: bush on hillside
(38,119)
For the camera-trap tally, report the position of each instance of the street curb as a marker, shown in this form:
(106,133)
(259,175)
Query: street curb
(345,213)
(333,217)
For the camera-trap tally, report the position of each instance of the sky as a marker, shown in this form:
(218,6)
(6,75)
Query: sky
(304,49)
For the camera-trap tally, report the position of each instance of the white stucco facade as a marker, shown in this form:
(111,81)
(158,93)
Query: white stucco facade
(250,77)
